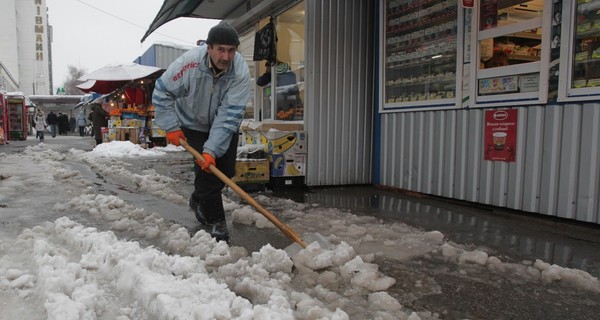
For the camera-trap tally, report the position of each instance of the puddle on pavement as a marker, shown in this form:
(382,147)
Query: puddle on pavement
(510,236)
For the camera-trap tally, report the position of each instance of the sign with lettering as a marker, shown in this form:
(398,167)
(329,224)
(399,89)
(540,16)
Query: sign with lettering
(500,141)
(39,31)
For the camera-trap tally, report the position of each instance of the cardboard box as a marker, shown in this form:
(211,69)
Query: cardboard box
(281,126)
(131,123)
(278,141)
(287,165)
(251,171)
(111,135)
(285,141)
(128,134)
(113,123)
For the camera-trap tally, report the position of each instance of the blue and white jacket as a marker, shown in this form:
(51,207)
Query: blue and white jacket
(187,95)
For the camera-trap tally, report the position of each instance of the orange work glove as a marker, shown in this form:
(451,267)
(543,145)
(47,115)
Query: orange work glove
(173,137)
(208,160)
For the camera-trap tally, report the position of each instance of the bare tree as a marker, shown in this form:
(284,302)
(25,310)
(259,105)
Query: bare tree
(71,81)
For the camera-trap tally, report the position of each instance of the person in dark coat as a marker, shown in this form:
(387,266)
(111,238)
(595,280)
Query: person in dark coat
(52,121)
(99,120)
(63,123)
(72,124)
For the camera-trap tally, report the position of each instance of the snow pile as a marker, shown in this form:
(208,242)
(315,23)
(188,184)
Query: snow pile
(96,255)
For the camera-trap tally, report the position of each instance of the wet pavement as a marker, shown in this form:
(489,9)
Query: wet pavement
(451,290)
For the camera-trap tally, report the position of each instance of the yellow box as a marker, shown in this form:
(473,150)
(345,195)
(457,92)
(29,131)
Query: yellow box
(128,134)
(113,123)
(131,123)
(287,165)
(251,171)
(278,141)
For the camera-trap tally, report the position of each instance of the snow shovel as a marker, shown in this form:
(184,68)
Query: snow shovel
(291,250)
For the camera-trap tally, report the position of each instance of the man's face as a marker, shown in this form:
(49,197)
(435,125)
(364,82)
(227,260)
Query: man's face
(221,55)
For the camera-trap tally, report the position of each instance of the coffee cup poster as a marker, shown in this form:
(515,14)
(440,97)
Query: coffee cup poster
(500,142)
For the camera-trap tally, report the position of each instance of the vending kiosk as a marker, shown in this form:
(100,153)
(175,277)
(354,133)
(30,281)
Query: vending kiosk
(17,117)
(3,119)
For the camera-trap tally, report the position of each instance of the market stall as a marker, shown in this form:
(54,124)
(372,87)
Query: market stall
(127,97)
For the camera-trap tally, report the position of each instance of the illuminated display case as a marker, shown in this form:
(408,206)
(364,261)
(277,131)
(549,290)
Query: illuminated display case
(17,117)
(583,53)
(419,53)
(511,52)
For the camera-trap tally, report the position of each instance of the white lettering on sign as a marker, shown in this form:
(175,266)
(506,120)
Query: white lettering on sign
(39,31)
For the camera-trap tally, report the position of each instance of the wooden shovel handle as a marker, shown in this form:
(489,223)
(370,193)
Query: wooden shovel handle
(289,232)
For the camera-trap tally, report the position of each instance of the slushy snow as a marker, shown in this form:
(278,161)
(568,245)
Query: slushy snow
(97,256)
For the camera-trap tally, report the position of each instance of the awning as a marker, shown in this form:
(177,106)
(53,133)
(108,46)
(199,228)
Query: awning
(89,98)
(56,102)
(121,72)
(111,77)
(100,86)
(209,9)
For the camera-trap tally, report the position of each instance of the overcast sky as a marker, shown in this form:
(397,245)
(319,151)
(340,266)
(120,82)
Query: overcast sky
(90,34)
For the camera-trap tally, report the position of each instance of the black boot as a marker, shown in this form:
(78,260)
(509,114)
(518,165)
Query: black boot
(195,206)
(219,231)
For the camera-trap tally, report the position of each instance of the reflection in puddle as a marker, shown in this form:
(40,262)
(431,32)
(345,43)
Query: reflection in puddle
(509,236)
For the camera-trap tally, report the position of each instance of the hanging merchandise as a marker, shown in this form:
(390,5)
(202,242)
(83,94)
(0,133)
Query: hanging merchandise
(265,43)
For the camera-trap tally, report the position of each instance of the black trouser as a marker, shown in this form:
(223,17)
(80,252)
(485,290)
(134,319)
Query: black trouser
(207,186)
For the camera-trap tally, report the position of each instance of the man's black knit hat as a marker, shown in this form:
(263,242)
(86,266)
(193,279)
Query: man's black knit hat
(223,33)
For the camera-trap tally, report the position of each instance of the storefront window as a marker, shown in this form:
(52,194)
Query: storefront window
(286,76)
(586,49)
(420,53)
(510,47)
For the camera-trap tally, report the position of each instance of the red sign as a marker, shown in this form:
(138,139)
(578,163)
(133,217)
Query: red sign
(500,141)
(488,14)
(468,3)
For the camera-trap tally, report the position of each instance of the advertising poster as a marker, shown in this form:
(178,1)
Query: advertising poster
(500,141)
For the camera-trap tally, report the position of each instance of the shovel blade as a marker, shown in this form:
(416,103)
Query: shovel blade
(293,249)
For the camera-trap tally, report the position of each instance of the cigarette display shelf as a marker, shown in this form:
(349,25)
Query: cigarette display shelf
(586,51)
(420,50)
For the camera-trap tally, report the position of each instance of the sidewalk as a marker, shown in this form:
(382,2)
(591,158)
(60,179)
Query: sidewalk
(449,289)
(513,234)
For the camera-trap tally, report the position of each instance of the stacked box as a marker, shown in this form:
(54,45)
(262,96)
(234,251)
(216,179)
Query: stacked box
(129,115)
(111,135)
(131,123)
(286,142)
(277,141)
(114,122)
(156,132)
(287,165)
(286,151)
(251,171)
(128,134)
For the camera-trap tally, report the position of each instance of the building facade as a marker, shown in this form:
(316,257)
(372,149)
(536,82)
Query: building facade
(491,102)
(25,51)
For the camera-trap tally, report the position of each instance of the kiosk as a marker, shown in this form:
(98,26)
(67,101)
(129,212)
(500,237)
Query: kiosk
(17,117)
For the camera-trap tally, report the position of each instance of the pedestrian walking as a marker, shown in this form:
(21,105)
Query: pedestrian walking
(99,120)
(52,121)
(40,124)
(63,123)
(81,122)
(72,124)
(201,98)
